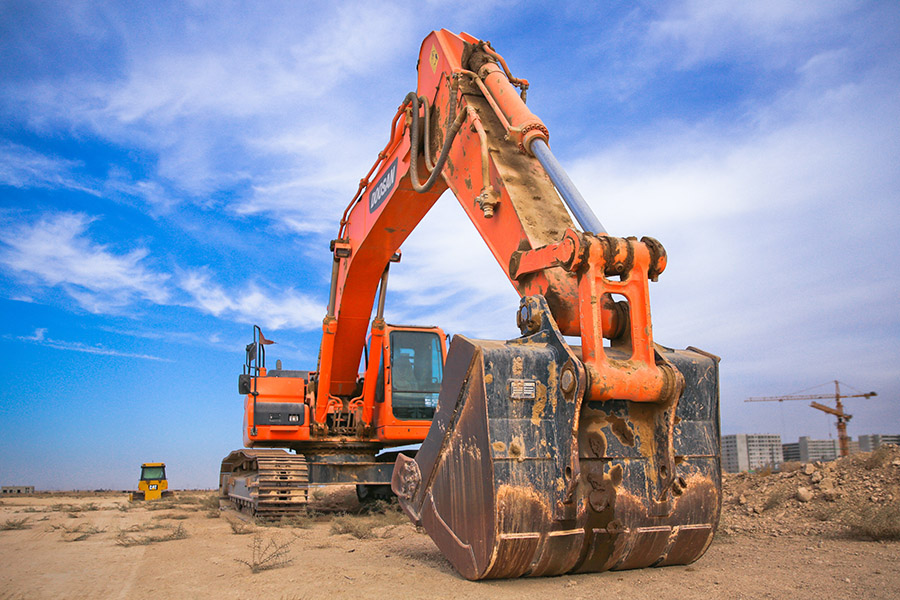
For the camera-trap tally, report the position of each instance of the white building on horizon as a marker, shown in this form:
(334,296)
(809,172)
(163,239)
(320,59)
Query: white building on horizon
(868,443)
(809,450)
(751,451)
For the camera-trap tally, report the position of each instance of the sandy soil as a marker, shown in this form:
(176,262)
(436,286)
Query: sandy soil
(96,546)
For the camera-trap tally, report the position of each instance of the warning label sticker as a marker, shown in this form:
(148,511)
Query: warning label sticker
(433,59)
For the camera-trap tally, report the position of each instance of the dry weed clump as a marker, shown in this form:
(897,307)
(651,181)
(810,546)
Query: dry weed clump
(879,457)
(173,517)
(12,524)
(265,555)
(125,540)
(873,522)
(298,521)
(79,533)
(144,527)
(210,502)
(777,498)
(75,508)
(381,515)
(358,527)
(239,527)
(161,505)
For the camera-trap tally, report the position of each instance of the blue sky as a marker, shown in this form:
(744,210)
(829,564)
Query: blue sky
(172,173)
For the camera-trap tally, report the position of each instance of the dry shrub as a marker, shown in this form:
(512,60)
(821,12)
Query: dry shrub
(75,508)
(827,512)
(265,555)
(239,527)
(80,532)
(878,458)
(144,527)
(873,522)
(11,524)
(161,504)
(213,514)
(362,526)
(791,466)
(123,539)
(763,471)
(174,517)
(776,498)
(359,527)
(209,502)
(298,521)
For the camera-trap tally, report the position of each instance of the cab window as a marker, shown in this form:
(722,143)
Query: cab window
(153,473)
(416,373)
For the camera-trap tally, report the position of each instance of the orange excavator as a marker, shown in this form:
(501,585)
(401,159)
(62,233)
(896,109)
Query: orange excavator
(538,457)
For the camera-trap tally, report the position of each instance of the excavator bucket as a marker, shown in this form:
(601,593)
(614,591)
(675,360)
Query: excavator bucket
(521,476)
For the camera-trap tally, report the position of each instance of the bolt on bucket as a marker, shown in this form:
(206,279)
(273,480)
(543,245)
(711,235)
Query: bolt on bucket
(521,476)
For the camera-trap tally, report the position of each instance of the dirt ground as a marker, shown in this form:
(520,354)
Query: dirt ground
(772,543)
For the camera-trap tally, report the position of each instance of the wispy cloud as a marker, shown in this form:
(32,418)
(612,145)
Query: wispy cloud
(273,309)
(767,31)
(54,250)
(22,167)
(40,338)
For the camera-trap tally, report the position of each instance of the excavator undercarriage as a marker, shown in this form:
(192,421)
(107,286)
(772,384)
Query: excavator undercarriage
(267,483)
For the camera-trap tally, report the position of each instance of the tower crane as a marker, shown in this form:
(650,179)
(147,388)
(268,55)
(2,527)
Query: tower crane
(838,411)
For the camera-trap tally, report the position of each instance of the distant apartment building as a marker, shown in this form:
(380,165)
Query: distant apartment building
(8,490)
(750,451)
(791,452)
(868,443)
(809,450)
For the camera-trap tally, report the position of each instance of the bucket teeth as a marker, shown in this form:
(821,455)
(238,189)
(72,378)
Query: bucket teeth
(520,477)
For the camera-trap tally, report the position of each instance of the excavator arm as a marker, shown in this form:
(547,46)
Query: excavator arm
(490,138)
(543,458)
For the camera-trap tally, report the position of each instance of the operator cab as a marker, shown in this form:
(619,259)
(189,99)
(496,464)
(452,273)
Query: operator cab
(153,472)
(410,372)
(417,362)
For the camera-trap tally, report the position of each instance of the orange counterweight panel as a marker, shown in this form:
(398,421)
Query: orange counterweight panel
(282,414)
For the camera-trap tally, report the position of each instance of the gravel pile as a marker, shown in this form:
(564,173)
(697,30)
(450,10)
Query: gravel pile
(857,495)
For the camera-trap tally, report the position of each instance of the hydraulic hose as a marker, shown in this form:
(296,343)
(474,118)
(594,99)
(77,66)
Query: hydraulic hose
(413,99)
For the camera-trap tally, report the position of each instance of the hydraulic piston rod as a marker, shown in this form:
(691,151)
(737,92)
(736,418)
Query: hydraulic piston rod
(570,194)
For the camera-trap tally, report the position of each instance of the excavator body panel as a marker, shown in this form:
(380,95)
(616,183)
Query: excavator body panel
(409,363)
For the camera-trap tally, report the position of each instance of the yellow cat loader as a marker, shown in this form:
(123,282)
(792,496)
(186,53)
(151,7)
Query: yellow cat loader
(153,484)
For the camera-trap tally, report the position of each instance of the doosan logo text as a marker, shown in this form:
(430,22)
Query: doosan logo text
(383,187)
